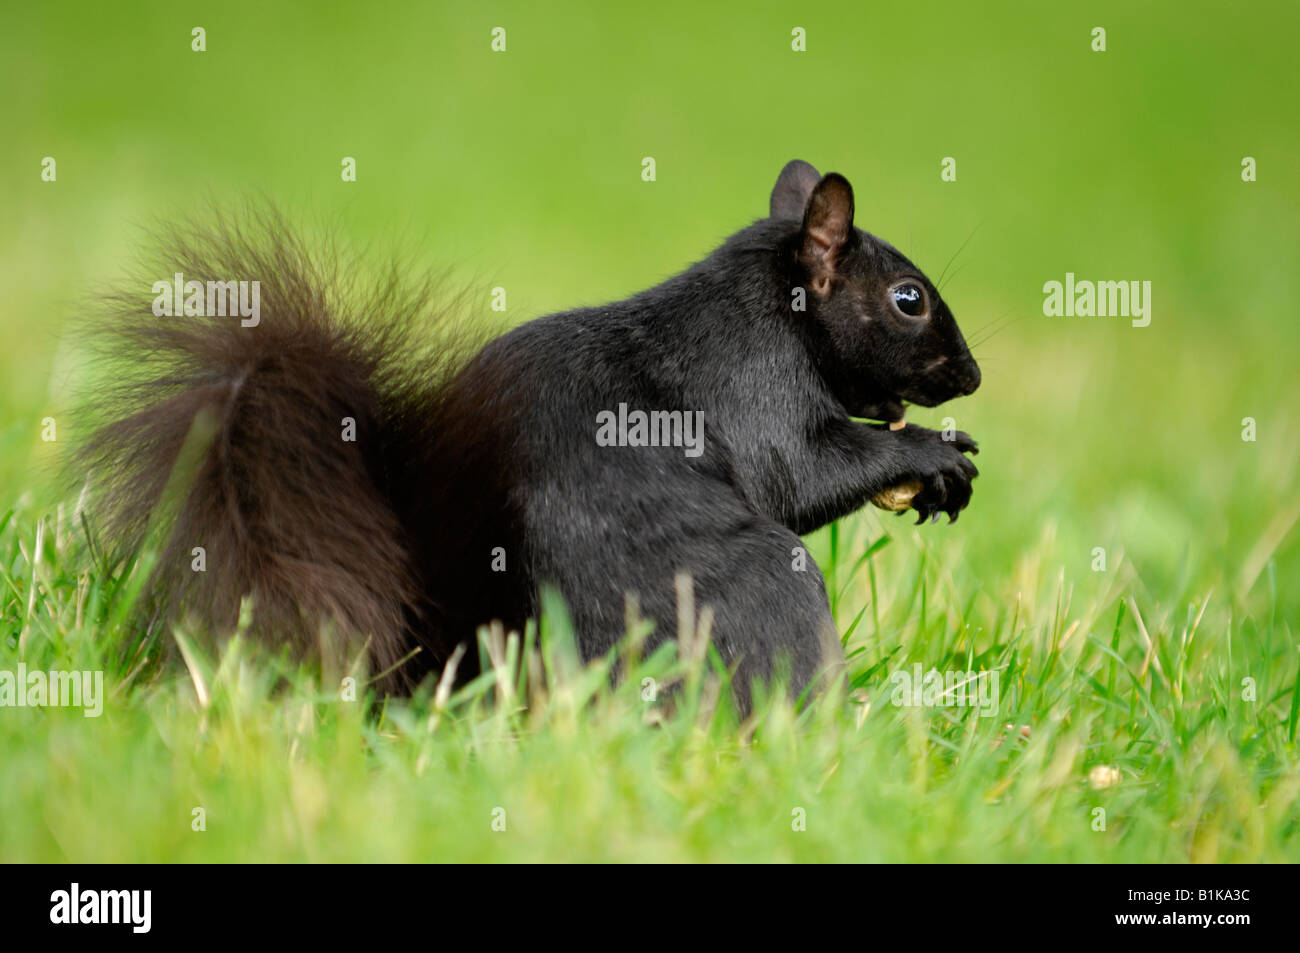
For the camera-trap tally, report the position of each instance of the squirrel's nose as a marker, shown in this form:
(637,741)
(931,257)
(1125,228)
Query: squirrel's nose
(971,381)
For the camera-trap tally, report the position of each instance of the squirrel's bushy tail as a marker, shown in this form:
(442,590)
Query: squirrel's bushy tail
(259,460)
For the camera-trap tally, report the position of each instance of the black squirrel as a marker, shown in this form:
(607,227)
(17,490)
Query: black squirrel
(477,475)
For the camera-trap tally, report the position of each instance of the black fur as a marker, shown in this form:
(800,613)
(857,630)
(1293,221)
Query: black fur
(392,537)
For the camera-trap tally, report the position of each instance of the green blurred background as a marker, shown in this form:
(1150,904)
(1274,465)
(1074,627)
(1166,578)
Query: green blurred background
(522,169)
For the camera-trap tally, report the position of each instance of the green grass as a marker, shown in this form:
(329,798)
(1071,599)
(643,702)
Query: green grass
(285,769)
(524,171)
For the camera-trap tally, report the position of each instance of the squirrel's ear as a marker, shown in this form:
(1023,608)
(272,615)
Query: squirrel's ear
(827,227)
(793,186)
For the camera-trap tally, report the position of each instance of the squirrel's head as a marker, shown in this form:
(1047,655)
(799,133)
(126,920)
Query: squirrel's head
(884,334)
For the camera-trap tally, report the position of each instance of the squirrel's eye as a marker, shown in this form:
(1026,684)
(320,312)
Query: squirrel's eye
(910,299)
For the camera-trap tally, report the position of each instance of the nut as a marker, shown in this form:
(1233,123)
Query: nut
(897,498)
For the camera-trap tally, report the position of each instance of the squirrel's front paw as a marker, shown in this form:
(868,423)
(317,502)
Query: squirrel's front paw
(941,469)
